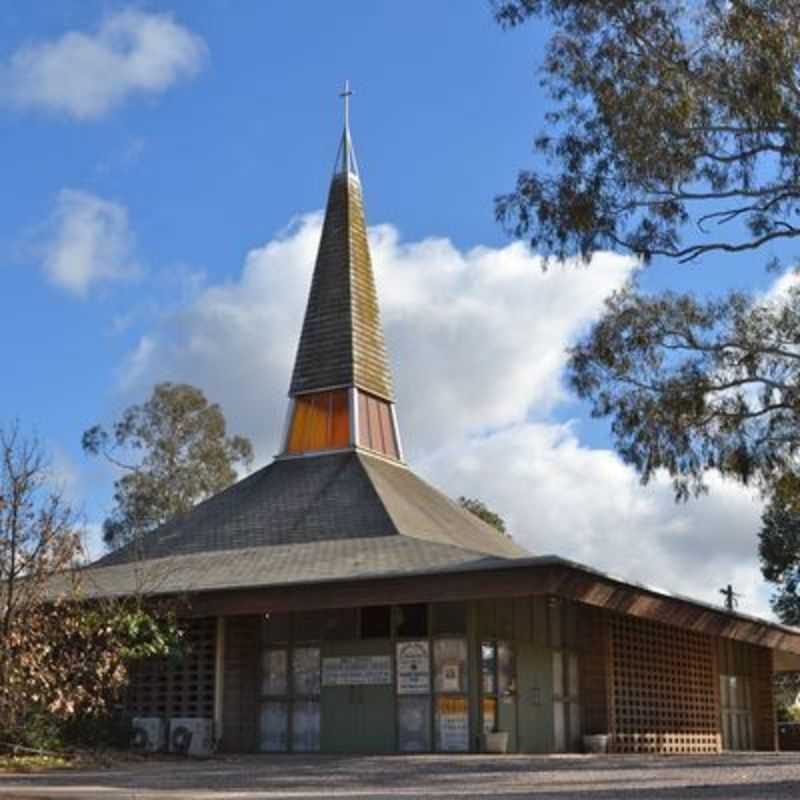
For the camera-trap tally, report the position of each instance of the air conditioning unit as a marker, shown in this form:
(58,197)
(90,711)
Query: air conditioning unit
(149,734)
(191,737)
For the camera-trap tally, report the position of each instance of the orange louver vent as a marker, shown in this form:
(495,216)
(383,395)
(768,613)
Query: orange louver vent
(321,421)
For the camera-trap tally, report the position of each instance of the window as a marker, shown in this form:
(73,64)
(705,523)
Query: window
(320,421)
(449,618)
(375,425)
(566,701)
(450,665)
(412,620)
(376,622)
(497,680)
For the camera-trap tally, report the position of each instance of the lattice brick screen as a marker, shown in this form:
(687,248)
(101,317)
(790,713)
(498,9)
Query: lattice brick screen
(663,689)
(161,687)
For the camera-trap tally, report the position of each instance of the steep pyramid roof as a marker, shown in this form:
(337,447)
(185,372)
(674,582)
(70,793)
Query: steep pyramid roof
(342,343)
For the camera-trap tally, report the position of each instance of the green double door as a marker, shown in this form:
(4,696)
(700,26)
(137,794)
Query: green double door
(534,699)
(358,718)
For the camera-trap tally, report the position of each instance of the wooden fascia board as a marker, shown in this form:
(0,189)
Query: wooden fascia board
(562,580)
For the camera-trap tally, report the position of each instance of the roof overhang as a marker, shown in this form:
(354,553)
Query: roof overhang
(545,575)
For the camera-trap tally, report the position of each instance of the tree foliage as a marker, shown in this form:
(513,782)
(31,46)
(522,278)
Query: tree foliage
(779,549)
(674,132)
(482,511)
(61,655)
(660,108)
(174,451)
(693,386)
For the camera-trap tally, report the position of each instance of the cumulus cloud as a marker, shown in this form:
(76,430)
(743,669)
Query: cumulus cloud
(561,497)
(86,75)
(477,340)
(88,240)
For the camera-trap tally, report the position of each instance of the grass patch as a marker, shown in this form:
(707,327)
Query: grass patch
(33,763)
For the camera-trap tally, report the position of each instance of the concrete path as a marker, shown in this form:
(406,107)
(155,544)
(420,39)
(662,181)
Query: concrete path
(743,776)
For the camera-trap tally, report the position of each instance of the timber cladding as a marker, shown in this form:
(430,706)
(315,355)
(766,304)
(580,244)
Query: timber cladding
(241,684)
(663,688)
(765,731)
(592,665)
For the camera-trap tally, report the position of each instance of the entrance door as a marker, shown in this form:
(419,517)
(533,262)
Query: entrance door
(357,717)
(535,698)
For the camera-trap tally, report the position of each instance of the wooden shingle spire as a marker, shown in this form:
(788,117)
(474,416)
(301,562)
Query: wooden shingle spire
(341,344)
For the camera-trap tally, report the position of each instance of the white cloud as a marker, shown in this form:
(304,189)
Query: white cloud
(478,341)
(560,497)
(88,241)
(86,75)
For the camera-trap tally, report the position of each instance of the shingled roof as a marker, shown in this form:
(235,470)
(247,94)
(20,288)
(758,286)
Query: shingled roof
(330,498)
(342,343)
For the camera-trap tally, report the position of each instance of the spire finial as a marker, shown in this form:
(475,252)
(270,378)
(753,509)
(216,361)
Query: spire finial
(346,94)
(345,158)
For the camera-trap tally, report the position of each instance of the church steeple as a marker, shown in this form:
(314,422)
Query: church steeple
(341,389)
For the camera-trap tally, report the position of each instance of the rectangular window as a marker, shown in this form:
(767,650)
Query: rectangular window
(375,425)
(274,727)
(505,669)
(489,668)
(306,671)
(305,726)
(376,622)
(414,724)
(412,620)
(449,618)
(489,710)
(273,671)
(320,421)
(450,664)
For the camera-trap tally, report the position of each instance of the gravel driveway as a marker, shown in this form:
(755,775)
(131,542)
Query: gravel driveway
(741,776)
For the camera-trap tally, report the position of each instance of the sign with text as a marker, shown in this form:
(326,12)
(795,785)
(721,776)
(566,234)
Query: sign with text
(413,668)
(356,670)
(452,724)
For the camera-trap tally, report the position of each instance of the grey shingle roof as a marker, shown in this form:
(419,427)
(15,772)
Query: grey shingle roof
(277,565)
(339,497)
(342,342)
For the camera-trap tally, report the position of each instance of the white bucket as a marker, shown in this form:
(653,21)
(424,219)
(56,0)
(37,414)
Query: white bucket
(596,743)
(495,742)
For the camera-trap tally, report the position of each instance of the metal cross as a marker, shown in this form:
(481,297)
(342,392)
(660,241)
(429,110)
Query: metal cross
(731,597)
(346,93)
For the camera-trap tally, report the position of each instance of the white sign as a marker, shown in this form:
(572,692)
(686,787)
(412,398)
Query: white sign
(452,723)
(356,670)
(413,668)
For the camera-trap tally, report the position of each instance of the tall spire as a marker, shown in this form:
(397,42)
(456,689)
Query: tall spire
(341,359)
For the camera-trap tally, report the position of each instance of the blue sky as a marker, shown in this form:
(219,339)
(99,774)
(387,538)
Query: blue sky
(153,156)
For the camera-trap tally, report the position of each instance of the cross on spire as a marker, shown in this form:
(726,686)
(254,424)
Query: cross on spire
(346,158)
(346,94)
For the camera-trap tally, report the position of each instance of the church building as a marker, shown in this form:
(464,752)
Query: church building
(336,602)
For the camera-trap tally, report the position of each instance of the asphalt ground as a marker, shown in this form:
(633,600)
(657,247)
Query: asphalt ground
(732,776)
